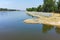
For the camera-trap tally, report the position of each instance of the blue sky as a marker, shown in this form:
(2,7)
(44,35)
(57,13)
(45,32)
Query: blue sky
(19,4)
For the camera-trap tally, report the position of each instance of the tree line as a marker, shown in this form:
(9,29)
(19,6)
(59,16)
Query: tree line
(5,9)
(48,6)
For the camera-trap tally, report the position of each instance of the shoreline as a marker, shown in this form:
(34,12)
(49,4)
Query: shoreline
(53,19)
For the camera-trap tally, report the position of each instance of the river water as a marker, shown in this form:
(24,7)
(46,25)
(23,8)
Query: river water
(12,27)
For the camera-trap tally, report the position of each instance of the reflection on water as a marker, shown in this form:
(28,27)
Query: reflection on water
(46,28)
(57,30)
(45,32)
(12,27)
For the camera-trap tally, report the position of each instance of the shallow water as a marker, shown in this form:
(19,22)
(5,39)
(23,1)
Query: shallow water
(12,27)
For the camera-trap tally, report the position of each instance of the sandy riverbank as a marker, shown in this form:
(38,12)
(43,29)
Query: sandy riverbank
(51,19)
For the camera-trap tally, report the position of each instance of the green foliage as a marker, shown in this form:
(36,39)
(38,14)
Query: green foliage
(58,6)
(31,9)
(5,9)
(48,6)
(39,8)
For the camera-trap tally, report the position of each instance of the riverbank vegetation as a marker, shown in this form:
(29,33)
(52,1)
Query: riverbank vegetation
(5,9)
(48,6)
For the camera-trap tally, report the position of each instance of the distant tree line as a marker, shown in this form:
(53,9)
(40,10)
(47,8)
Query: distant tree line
(48,6)
(5,9)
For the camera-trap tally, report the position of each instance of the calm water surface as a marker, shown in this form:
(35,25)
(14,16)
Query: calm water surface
(12,27)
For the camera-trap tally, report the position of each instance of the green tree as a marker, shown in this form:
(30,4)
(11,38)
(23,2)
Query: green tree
(39,8)
(49,5)
(58,5)
(31,9)
(34,9)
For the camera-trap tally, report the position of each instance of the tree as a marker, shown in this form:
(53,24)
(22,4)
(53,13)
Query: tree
(31,9)
(49,5)
(58,5)
(39,8)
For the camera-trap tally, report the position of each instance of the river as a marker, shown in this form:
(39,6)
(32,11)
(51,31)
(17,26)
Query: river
(12,27)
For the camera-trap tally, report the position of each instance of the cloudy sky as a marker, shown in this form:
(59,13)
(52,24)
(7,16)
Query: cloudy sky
(19,4)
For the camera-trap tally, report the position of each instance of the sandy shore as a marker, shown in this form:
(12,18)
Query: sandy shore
(51,19)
